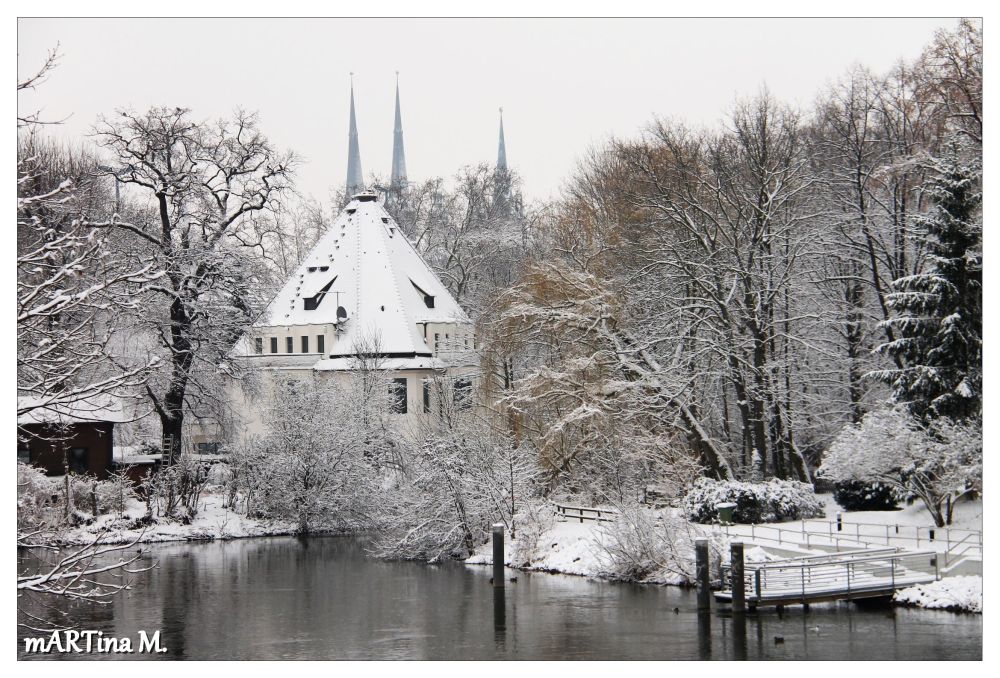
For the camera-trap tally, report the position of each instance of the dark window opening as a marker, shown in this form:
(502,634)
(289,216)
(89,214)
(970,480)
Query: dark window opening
(313,302)
(274,344)
(463,393)
(289,345)
(397,394)
(305,344)
(320,343)
(23,452)
(322,269)
(258,344)
(427,397)
(428,298)
(78,460)
(208,448)
(385,220)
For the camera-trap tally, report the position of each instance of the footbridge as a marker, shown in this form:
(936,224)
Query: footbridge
(850,575)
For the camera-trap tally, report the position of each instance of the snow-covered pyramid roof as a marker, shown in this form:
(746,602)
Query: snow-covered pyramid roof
(366,267)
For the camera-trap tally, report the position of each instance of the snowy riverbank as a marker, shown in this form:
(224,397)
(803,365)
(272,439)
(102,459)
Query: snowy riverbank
(580,549)
(213,521)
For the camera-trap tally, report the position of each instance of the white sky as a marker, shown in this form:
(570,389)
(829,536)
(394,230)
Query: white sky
(564,84)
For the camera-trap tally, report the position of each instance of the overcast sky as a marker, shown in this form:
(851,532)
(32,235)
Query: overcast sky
(563,84)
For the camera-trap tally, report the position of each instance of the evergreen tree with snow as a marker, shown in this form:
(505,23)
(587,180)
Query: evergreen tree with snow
(937,314)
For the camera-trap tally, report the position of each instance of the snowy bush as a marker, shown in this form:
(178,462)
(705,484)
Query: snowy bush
(536,519)
(637,547)
(938,462)
(771,502)
(39,503)
(465,477)
(655,546)
(175,491)
(857,495)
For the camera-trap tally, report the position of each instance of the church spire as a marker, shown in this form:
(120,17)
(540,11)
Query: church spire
(398,176)
(355,179)
(502,178)
(502,151)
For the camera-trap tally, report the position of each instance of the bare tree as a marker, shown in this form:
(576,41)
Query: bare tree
(204,181)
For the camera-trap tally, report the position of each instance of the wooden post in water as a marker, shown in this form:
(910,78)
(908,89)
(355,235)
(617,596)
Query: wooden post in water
(736,570)
(702,574)
(498,558)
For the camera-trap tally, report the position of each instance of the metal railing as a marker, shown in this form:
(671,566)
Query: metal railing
(844,575)
(887,533)
(958,542)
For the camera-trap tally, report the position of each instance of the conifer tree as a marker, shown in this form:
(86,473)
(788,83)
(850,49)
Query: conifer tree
(937,314)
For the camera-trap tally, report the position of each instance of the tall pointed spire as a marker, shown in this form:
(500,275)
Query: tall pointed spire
(502,178)
(502,151)
(398,176)
(355,179)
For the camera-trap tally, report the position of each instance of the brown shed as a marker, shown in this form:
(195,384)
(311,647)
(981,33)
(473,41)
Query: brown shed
(81,434)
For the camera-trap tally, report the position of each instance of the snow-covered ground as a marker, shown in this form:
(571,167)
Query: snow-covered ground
(576,548)
(875,528)
(961,594)
(212,522)
(967,514)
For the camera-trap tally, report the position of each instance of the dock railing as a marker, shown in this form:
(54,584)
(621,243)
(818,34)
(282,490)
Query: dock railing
(958,542)
(831,577)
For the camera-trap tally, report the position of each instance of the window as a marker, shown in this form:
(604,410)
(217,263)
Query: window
(305,344)
(208,448)
(397,394)
(313,302)
(274,344)
(258,344)
(320,343)
(437,342)
(428,298)
(78,460)
(463,393)
(427,397)
(289,345)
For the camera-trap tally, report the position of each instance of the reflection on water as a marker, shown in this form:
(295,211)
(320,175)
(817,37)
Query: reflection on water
(284,598)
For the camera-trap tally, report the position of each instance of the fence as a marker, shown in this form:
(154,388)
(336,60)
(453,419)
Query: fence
(602,515)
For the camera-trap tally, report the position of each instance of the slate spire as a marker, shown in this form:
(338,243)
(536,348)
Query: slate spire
(398,176)
(355,179)
(502,150)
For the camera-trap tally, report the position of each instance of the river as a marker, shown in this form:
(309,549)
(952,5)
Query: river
(284,598)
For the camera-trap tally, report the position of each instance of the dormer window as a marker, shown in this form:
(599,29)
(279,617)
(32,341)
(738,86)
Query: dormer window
(313,302)
(428,298)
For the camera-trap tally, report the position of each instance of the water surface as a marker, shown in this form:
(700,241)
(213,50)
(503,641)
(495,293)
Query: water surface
(284,598)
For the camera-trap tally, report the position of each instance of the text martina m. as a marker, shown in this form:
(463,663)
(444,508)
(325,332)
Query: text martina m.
(85,642)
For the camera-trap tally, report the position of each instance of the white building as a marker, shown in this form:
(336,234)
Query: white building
(364,282)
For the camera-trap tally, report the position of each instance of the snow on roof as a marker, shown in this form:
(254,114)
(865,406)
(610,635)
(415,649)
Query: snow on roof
(365,265)
(99,408)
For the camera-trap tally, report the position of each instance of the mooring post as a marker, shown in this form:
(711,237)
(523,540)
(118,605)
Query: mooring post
(498,579)
(702,574)
(736,570)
